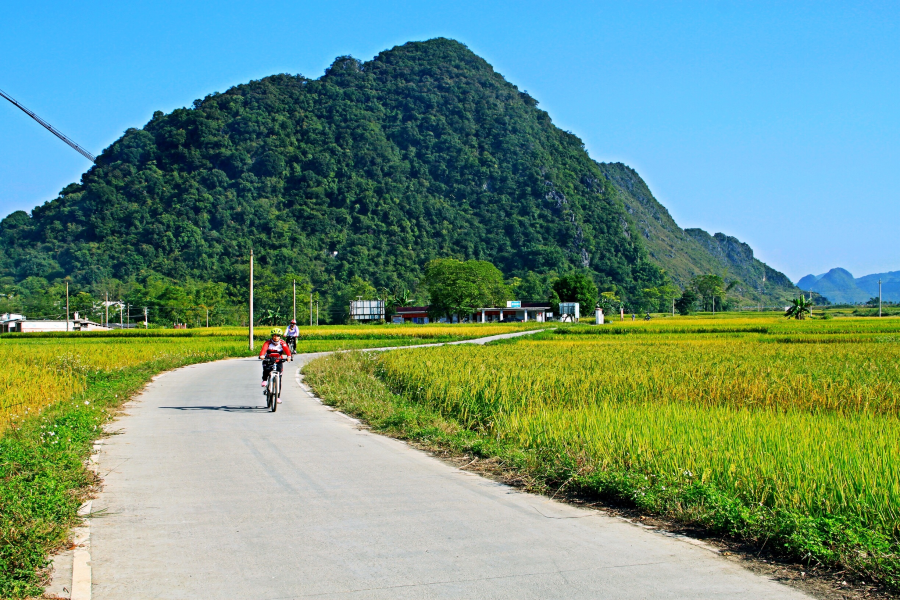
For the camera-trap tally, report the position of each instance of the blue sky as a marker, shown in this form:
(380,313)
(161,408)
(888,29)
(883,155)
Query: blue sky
(775,122)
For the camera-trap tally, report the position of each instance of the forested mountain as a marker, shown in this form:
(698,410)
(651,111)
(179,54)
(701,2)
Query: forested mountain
(364,174)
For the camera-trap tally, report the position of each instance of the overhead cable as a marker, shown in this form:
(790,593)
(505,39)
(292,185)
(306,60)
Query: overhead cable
(51,128)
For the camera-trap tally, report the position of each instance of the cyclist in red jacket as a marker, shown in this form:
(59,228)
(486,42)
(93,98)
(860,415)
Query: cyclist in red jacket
(275,348)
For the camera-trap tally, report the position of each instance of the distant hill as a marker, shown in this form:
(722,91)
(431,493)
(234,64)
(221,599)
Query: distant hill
(685,253)
(808,281)
(890,285)
(368,171)
(840,287)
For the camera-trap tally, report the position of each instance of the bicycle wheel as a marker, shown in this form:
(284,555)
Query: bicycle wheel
(269,396)
(276,390)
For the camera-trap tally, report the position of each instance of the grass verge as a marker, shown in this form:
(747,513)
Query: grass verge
(351,383)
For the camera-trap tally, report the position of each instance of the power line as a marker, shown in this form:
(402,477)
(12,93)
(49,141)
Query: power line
(51,129)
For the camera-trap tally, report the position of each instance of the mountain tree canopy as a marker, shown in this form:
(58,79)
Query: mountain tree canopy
(370,172)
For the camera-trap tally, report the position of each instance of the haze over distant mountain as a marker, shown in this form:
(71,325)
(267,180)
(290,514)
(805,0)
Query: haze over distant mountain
(840,287)
(685,253)
(371,170)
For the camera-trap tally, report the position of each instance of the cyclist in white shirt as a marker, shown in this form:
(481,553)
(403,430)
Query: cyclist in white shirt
(291,334)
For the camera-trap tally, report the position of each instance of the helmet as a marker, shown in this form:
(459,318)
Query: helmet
(276,331)
(293,321)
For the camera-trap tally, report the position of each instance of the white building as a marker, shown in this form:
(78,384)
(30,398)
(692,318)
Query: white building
(21,324)
(366,310)
(514,311)
(569,311)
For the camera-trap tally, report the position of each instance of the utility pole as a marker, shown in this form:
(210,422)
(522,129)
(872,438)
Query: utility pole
(879,297)
(67,305)
(128,314)
(251,299)
(310,308)
(121,316)
(145,317)
(295,300)
(106,310)
(317,313)
(763,289)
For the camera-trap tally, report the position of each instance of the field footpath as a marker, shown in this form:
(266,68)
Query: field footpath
(208,495)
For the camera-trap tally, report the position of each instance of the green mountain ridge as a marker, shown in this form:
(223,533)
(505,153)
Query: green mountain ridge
(686,253)
(367,172)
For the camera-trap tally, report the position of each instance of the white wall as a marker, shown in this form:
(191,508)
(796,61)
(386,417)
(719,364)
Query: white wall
(35,326)
(40,326)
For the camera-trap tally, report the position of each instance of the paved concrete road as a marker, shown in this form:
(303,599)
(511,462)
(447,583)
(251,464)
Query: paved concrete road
(209,496)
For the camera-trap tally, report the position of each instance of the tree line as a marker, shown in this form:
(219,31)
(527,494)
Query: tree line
(450,286)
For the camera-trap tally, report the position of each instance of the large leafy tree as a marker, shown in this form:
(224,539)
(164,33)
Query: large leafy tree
(687,303)
(610,302)
(667,293)
(579,287)
(710,287)
(459,288)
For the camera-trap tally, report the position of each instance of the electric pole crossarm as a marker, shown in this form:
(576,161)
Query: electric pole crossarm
(51,128)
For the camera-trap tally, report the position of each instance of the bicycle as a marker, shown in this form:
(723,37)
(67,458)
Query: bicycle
(292,343)
(273,386)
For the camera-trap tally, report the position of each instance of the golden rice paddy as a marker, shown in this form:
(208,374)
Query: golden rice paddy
(797,416)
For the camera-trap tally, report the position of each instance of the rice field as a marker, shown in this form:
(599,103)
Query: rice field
(742,323)
(792,427)
(41,369)
(40,372)
(786,418)
(433,332)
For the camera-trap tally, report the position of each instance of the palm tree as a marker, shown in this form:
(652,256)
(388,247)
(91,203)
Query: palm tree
(273,317)
(800,308)
(402,297)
